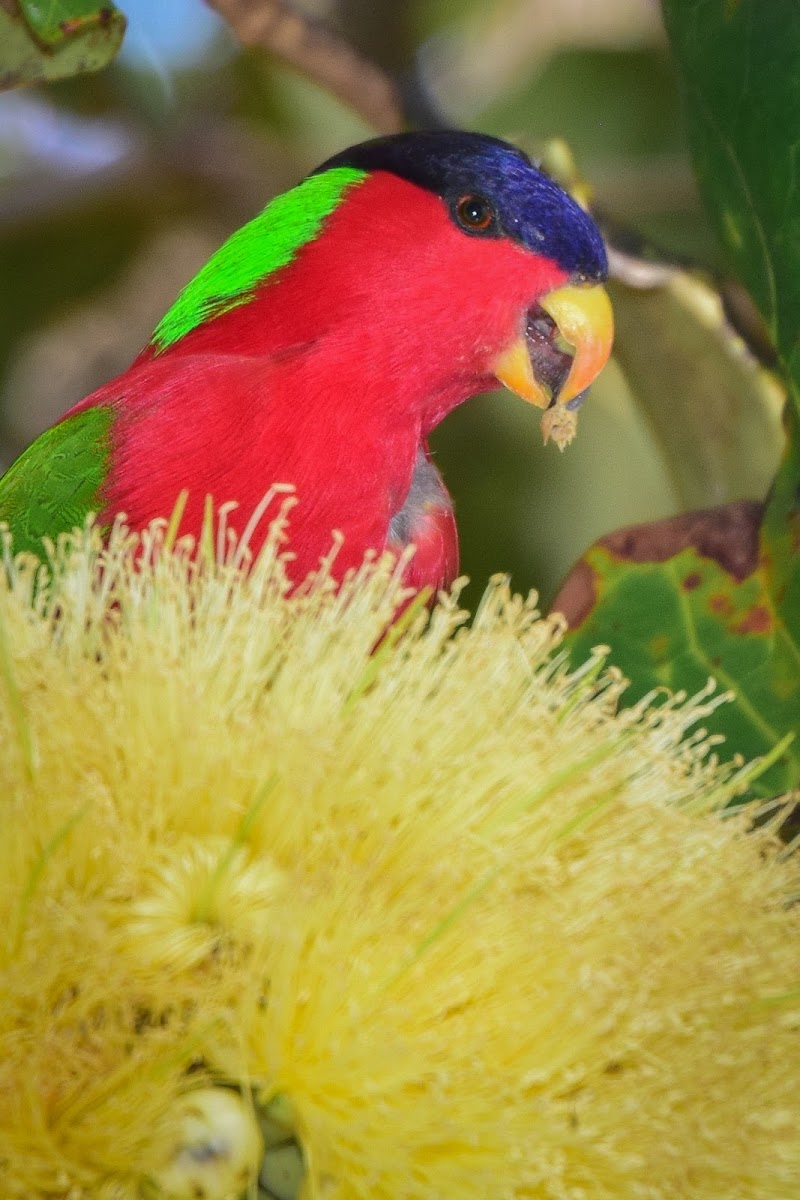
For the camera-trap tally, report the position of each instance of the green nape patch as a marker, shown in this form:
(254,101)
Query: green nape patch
(255,251)
(56,483)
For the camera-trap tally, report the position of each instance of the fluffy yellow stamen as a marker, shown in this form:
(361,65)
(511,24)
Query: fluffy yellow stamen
(470,927)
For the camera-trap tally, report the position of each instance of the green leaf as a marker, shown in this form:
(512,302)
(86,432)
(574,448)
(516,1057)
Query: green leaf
(45,40)
(713,412)
(689,598)
(739,62)
(717,592)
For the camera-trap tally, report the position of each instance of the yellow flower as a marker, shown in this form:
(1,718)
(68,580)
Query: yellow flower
(439,912)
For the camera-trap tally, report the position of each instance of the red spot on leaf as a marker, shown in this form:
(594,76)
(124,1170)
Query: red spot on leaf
(659,646)
(721,604)
(692,581)
(757,620)
(578,594)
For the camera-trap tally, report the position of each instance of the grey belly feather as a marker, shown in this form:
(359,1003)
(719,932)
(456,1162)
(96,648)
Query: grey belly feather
(427,491)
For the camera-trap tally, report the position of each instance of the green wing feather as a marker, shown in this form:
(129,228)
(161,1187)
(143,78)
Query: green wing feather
(259,249)
(56,483)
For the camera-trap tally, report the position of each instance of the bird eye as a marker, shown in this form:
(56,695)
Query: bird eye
(475,214)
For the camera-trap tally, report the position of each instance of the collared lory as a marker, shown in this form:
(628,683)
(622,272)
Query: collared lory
(324,341)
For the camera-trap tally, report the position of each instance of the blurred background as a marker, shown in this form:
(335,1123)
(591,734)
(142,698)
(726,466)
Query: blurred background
(116,187)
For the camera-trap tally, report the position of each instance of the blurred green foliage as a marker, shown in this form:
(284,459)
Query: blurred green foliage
(203,144)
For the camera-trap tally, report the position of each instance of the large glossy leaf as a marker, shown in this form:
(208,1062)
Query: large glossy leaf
(44,40)
(717,593)
(713,412)
(739,61)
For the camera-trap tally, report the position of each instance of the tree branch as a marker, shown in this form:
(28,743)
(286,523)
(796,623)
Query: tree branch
(320,54)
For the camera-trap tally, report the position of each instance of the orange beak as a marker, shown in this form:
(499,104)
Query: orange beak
(565,345)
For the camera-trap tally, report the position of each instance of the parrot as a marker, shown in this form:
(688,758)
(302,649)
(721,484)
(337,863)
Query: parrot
(320,346)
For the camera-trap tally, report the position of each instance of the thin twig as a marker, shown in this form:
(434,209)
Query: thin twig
(320,54)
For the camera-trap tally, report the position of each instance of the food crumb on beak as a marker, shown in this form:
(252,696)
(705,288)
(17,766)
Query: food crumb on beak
(559,423)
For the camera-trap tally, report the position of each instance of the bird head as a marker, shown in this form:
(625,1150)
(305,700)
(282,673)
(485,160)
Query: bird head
(496,264)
